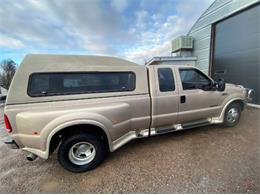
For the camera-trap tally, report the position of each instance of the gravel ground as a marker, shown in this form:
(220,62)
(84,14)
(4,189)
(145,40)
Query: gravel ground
(203,160)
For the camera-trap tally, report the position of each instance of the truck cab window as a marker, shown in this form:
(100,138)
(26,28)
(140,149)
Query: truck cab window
(166,80)
(193,79)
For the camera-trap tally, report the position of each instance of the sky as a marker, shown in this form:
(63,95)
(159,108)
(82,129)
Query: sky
(136,30)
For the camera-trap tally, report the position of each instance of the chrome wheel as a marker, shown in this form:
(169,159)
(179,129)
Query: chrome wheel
(232,115)
(82,153)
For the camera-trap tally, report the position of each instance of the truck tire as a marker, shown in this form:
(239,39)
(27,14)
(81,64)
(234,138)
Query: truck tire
(232,115)
(81,152)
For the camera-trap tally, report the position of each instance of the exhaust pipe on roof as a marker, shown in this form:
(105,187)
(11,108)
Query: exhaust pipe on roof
(31,157)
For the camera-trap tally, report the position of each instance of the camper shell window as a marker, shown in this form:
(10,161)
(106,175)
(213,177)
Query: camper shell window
(48,84)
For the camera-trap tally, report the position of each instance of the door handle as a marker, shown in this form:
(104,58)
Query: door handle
(183,99)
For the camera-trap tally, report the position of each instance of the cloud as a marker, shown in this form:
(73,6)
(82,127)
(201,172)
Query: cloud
(156,40)
(142,54)
(141,18)
(136,30)
(119,5)
(10,43)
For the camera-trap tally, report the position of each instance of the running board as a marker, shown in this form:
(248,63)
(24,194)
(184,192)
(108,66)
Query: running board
(195,124)
(174,128)
(163,131)
(180,127)
(143,133)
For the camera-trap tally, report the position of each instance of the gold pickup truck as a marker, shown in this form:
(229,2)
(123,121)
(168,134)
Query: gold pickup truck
(88,106)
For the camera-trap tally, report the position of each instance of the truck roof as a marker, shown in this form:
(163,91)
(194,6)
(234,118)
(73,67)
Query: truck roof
(41,60)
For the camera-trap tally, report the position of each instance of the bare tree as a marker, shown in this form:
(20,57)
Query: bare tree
(7,70)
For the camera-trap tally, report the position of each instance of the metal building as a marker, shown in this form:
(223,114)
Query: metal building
(227,42)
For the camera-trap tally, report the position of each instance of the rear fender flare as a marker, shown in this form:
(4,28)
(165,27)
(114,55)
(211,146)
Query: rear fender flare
(52,128)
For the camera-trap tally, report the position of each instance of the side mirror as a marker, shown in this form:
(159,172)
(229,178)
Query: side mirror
(221,85)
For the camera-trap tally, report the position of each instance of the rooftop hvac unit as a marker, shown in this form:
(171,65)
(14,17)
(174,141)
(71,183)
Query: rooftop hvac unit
(182,43)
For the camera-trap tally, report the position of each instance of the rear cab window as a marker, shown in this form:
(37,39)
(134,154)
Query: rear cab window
(49,84)
(166,80)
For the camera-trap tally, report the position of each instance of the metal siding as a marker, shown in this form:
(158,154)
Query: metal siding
(216,5)
(202,44)
(201,47)
(201,30)
(202,54)
(219,10)
(202,33)
(214,16)
(237,50)
(203,64)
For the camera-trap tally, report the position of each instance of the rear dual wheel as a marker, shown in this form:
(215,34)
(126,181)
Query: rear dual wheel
(81,152)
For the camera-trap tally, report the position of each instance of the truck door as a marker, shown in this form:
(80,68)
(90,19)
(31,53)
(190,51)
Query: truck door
(164,95)
(196,101)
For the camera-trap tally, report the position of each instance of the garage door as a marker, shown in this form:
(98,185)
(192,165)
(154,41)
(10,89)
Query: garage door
(236,56)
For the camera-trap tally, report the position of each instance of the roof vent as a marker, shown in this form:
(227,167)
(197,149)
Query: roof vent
(182,43)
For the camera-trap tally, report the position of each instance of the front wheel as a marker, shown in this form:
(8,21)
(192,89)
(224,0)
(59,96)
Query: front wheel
(232,115)
(81,152)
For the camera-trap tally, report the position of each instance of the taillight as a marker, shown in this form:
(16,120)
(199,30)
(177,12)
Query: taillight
(7,124)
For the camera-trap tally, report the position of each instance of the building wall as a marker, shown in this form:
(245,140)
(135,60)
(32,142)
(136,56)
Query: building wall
(201,30)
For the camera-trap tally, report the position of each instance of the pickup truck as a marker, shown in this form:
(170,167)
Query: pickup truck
(88,106)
